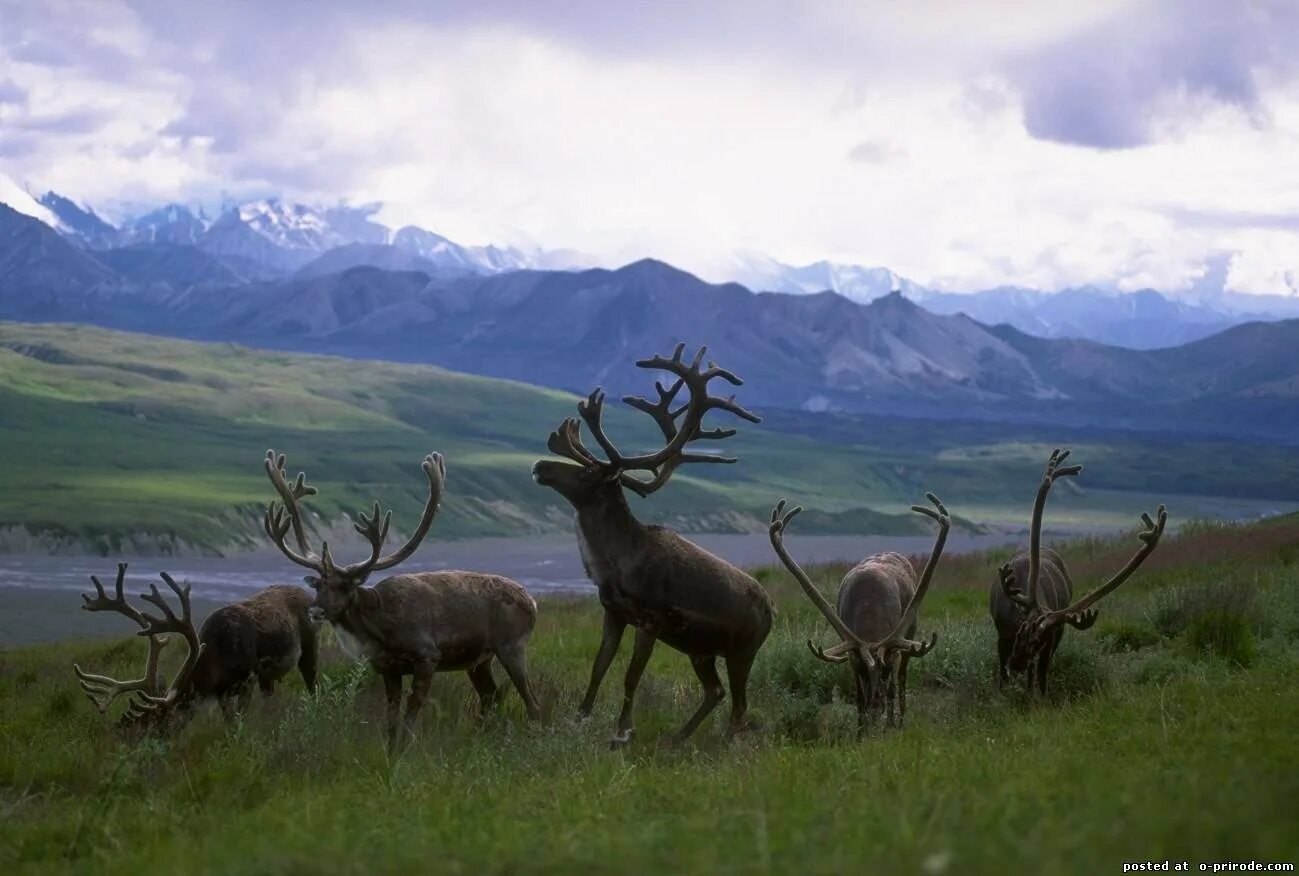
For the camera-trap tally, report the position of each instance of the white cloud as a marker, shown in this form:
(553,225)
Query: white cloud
(895,138)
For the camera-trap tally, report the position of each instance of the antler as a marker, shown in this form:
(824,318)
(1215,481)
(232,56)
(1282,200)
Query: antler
(780,520)
(1080,613)
(101,689)
(170,623)
(567,442)
(282,516)
(897,638)
(1055,468)
(435,469)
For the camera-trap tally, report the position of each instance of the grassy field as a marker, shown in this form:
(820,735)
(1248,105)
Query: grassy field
(1170,734)
(124,444)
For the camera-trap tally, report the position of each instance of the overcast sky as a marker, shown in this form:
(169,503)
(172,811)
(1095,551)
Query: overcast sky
(963,144)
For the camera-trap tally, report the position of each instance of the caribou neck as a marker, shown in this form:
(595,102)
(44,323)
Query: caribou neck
(357,618)
(607,527)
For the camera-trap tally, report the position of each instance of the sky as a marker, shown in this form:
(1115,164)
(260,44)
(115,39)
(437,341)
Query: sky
(962,144)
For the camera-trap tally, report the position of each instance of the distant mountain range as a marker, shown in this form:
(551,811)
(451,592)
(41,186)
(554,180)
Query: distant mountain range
(1144,319)
(578,329)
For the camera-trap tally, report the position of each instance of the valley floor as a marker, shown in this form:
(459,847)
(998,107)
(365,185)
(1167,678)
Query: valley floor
(1169,735)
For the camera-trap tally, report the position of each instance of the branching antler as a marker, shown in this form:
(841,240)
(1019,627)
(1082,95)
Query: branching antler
(285,515)
(679,427)
(170,623)
(151,697)
(780,520)
(101,689)
(1081,613)
(897,638)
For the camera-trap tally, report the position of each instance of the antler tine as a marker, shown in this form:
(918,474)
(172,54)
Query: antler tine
(592,411)
(276,522)
(170,623)
(1054,469)
(435,469)
(897,638)
(780,520)
(566,441)
(289,496)
(102,690)
(1154,530)
(101,601)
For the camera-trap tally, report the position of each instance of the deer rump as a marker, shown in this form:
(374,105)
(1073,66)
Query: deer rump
(874,594)
(262,637)
(460,618)
(702,604)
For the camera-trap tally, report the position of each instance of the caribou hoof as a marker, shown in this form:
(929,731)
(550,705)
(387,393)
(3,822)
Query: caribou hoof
(621,739)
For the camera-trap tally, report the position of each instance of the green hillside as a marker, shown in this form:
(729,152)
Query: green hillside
(118,441)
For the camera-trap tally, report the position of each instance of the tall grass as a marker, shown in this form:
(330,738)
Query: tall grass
(1160,751)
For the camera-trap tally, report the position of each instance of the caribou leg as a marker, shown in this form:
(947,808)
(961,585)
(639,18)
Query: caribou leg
(1003,661)
(902,688)
(640,656)
(515,661)
(609,641)
(706,669)
(415,700)
(737,673)
(392,691)
(481,678)
(1043,666)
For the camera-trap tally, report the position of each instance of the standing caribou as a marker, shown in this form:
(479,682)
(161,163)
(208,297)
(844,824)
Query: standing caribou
(878,603)
(414,624)
(648,576)
(1030,602)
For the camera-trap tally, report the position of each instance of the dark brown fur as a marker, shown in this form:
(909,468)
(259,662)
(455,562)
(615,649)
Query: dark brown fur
(261,639)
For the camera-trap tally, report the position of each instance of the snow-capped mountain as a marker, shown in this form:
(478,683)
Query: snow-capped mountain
(174,223)
(17,198)
(80,224)
(855,282)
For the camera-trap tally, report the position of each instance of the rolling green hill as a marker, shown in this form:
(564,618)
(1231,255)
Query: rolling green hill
(117,442)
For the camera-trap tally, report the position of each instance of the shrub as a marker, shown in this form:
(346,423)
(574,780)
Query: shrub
(1176,609)
(1122,635)
(1224,633)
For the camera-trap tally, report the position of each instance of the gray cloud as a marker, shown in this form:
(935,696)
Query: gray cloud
(1234,220)
(11,94)
(1103,88)
(875,152)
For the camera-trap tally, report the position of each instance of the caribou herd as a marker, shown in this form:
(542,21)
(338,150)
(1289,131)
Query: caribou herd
(648,577)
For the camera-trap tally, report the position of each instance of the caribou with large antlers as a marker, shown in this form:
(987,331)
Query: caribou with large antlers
(414,624)
(1031,600)
(650,577)
(259,639)
(878,605)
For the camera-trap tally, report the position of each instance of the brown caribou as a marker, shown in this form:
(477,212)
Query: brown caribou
(258,639)
(878,605)
(1031,600)
(649,576)
(413,624)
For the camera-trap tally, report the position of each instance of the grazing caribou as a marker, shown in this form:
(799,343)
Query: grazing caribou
(259,639)
(878,604)
(1030,602)
(650,577)
(413,624)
